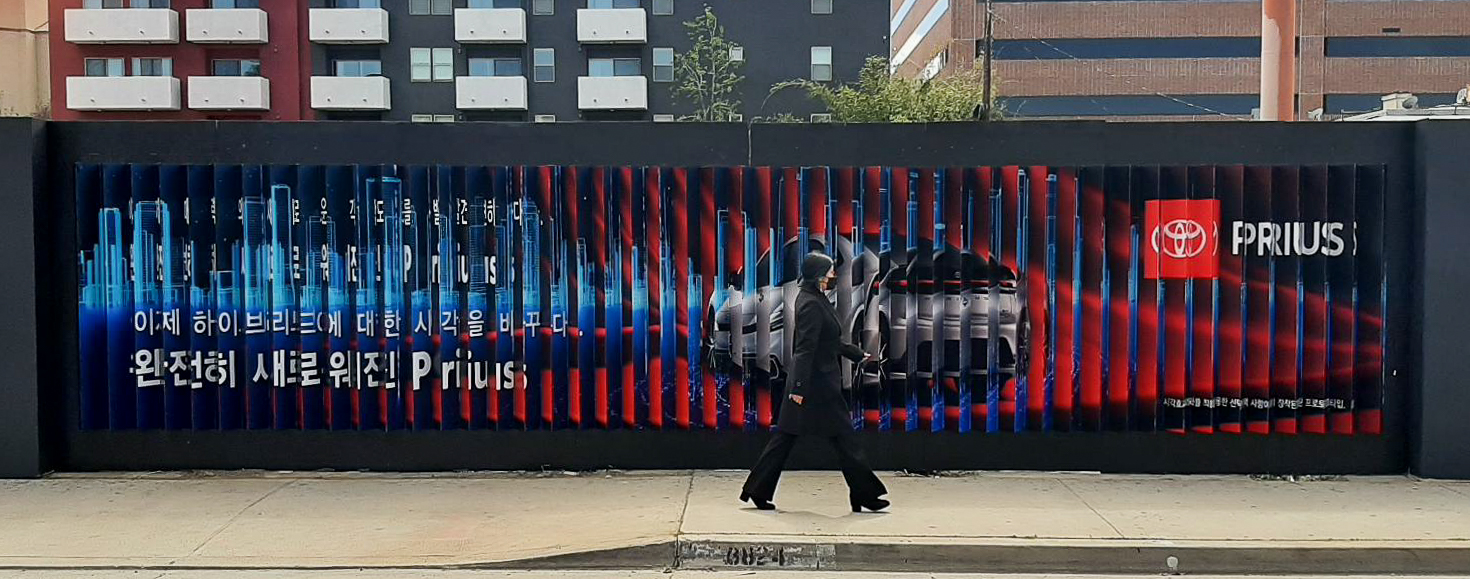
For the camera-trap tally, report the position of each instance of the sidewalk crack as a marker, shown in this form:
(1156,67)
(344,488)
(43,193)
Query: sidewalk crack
(236,516)
(1090,508)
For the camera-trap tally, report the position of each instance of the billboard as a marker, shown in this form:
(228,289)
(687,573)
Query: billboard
(1205,299)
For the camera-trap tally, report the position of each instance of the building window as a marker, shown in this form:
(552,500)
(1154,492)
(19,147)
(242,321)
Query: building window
(104,67)
(821,6)
(495,67)
(614,4)
(495,4)
(663,7)
(236,67)
(96,4)
(603,67)
(431,64)
(545,118)
(663,65)
(421,118)
(663,118)
(1129,105)
(737,54)
(356,3)
(821,63)
(227,4)
(359,68)
(430,7)
(544,64)
(543,7)
(821,117)
(1398,46)
(1068,48)
(153,67)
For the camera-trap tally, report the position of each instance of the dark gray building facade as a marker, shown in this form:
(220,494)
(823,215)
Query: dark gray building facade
(567,60)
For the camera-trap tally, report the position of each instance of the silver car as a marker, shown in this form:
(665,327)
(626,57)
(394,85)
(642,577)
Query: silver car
(914,323)
(879,299)
(757,346)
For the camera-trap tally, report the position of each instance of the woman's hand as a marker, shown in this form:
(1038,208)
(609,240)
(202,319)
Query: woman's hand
(797,398)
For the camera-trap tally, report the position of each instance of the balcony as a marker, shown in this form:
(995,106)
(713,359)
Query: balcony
(122,26)
(612,93)
(226,26)
(612,26)
(350,93)
(122,93)
(349,25)
(229,93)
(477,93)
(490,25)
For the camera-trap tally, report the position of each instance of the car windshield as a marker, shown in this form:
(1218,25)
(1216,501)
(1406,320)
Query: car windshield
(953,269)
(791,256)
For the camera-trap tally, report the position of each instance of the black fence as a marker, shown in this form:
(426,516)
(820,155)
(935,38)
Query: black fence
(1420,424)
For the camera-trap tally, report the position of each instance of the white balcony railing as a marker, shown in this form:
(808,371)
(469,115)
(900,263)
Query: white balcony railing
(229,93)
(122,93)
(226,26)
(612,93)
(612,26)
(350,93)
(490,93)
(122,26)
(348,25)
(502,25)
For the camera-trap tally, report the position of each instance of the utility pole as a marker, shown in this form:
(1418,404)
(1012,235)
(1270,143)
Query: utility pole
(989,45)
(1278,60)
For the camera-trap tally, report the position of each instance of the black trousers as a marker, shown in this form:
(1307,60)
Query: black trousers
(862,484)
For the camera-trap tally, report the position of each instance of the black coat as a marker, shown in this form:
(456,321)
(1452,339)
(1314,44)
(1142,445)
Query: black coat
(816,369)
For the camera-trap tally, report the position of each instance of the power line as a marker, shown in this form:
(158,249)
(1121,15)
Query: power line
(1125,79)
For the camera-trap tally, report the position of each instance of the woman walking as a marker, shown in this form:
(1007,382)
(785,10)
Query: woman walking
(815,405)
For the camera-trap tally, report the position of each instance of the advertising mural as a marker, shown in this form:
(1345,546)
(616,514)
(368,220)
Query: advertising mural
(1200,299)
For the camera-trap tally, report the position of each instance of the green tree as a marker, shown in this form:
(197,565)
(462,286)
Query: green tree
(880,97)
(706,76)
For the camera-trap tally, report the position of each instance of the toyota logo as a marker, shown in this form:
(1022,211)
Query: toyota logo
(1180,238)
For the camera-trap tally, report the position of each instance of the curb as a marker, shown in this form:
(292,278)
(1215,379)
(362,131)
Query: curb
(1006,556)
(1076,557)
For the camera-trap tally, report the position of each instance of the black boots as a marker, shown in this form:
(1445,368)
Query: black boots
(874,505)
(760,503)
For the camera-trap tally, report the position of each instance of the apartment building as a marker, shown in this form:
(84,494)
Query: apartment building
(177,59)
(438,60)
(1186,59)
(23,35)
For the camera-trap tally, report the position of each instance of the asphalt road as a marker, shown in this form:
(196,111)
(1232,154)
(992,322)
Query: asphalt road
(582,574)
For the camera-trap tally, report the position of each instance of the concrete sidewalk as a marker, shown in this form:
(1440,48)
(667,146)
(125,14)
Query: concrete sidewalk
(993,522)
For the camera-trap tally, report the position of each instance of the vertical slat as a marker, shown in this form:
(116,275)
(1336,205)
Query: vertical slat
(1176,319)
(1340,290)
(1312,299)
(1373,292)
(1093,332)
(394,303)
(174,286)
(1229,327)
(94,289)
(1285,305)
(150,223)
(285,349)
(1120,308)
(1203,335)
(310,237)
(202,318)
(1258,315)
(339,233)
